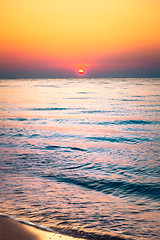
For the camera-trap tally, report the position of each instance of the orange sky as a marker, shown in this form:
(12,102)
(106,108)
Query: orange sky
(54,38)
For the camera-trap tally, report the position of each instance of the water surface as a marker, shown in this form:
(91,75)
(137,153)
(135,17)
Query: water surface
(82,155)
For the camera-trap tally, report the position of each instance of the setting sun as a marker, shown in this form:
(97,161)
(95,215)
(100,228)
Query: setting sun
(81,71)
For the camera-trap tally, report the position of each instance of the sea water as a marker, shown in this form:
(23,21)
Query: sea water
(81,156)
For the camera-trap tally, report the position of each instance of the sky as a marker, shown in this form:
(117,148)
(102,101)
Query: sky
(56,38)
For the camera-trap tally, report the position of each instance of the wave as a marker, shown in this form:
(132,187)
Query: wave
(130,100)
(48,109)
(48,86)
(96,111)
(116,122)
(54,147)
(130,122)
(122,139)
(17,119)
(150,190)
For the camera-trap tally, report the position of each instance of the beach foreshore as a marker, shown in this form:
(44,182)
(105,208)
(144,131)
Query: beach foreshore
(11,229)
(14,229)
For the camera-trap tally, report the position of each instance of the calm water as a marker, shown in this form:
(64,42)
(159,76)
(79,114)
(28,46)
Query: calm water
(82,155)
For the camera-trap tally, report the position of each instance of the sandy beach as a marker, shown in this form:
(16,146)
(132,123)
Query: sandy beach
(10,229)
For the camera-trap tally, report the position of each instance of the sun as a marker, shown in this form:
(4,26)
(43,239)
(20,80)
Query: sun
(81,71)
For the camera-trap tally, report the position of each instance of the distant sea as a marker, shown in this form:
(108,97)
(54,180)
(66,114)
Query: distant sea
(81,156)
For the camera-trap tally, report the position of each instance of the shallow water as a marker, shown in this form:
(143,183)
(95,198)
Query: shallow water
(82,155)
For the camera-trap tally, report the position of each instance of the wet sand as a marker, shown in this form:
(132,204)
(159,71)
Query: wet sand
(10,229)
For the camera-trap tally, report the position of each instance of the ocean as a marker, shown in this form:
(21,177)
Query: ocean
(81,156)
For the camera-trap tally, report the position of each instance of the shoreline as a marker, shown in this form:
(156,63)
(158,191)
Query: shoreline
(15,230)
